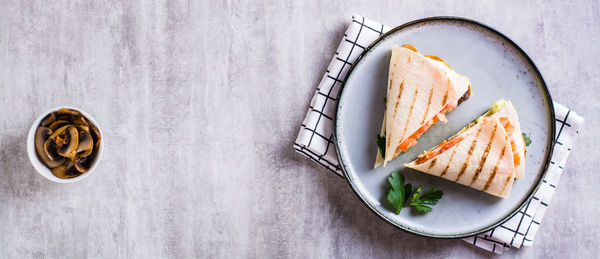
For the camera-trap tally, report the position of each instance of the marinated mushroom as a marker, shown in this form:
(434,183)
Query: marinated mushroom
(80,121)
(66,142)
(86,144)
(81,124)
(67,114)
(50,118)
(41,135)
(60,171)
(83,164)
(50,150)
(96,137)
(65,171)
(57,124)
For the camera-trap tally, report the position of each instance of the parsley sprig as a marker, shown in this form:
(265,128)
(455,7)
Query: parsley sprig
(402,195)
(381,144)
(527,140)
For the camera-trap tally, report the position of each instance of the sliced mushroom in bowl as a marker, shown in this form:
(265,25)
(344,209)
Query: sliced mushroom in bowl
(65,144)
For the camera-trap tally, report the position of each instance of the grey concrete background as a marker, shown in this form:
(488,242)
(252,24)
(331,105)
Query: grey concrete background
(200,102)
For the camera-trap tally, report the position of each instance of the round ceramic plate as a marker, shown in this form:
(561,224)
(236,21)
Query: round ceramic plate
(497,68)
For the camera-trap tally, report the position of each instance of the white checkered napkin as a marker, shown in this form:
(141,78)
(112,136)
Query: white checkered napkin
(521,228)
(315,139)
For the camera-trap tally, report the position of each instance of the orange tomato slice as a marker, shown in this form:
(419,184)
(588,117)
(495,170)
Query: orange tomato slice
(509,128)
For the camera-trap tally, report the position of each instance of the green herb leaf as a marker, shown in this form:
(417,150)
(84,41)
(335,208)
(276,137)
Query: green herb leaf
(415,195)
(422,209)
(527,140)
(403,195)
(431,197)
(396,195)
(380,141)
(408,192)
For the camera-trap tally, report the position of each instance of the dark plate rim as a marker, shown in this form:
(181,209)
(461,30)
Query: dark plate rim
(549,145)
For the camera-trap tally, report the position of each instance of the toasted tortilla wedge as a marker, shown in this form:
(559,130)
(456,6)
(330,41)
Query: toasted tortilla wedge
(421,90)
(516,137)
(482,160)
(486,155)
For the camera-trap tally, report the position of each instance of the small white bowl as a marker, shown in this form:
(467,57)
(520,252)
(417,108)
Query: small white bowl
(41,168)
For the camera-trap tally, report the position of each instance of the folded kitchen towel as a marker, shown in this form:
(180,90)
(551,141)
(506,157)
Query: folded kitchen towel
(316,140)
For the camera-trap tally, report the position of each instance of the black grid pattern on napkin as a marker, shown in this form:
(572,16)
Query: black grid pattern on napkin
(325,99)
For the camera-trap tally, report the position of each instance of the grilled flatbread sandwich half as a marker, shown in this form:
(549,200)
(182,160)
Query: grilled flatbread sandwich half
(421,90)
(487,154)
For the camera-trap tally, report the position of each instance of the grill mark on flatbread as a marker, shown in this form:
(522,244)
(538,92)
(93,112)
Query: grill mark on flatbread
(387,144)
(408,60)
(509,176)
(390,84)
(506,183)
(398,99)
(449,162)
(432,164)
(484,156)
(428,104)
(444,99)
(412,105)
(489,181)
(469,153)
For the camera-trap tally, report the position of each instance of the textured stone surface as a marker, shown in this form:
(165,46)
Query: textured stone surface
(200,102)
